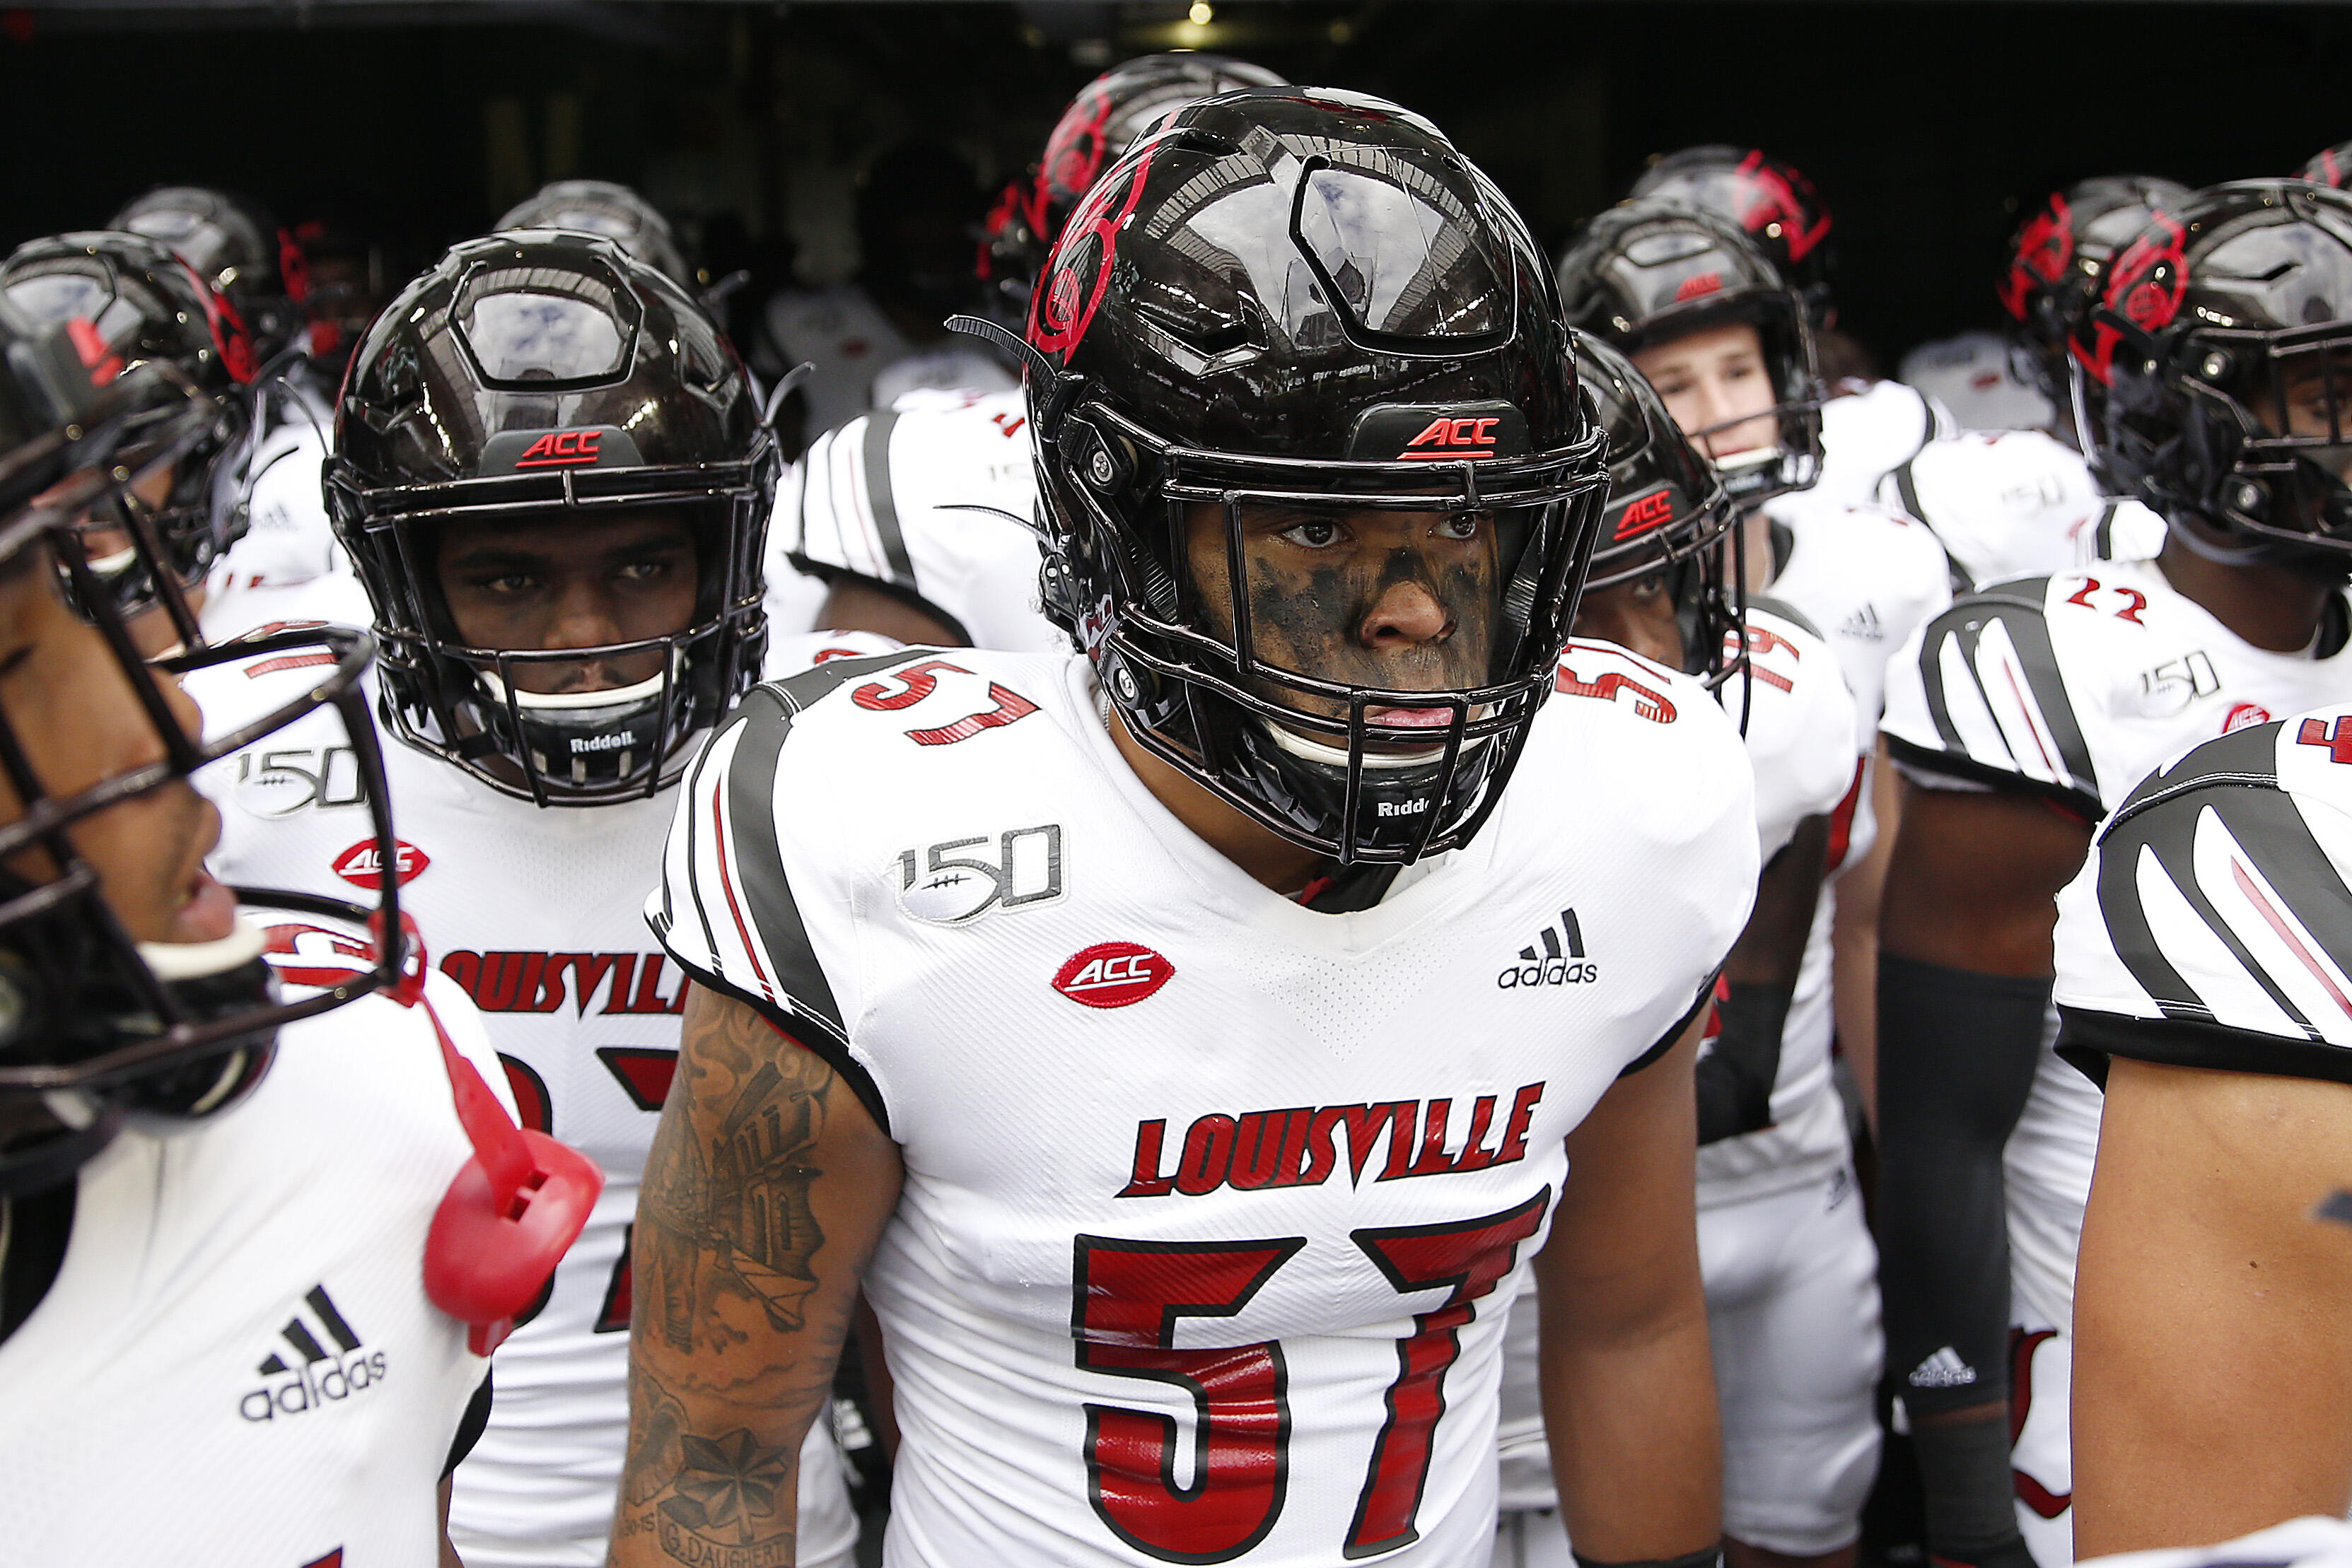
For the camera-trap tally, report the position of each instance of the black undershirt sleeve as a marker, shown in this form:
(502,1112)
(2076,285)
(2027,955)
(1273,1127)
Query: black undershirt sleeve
(471,1425)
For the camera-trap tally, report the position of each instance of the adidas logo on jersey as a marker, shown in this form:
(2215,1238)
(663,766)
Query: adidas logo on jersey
(307,1374)
(1944,1369)
(1554,958)
(1863,625)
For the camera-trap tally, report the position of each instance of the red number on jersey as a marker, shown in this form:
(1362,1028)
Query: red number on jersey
(2137,600)
(1470,1256)
(1128,1298)
(2338,740)
(918,682)
(1130,1295)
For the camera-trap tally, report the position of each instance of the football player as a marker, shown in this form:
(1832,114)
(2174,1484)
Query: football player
(2026,503)
(553,476)
(1711,322)
(1792,1305)
(225,1221)
(918,517)
(612,211)
(2020,716)
(1792,1310)
(1868,426)
(138,304)
(1191,1044)
(2201,955)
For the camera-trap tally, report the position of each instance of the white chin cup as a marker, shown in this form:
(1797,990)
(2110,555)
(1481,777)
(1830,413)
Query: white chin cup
(1754,457)
(169,961)
(573,702)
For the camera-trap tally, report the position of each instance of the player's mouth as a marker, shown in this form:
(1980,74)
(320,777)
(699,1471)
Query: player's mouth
(208,911)
(1409,717)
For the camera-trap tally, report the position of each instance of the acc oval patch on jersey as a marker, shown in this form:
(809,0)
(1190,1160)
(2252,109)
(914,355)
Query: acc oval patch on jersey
(362,867)
(1113,975)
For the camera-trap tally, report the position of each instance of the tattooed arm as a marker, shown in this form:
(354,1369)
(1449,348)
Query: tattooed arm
(766,1190)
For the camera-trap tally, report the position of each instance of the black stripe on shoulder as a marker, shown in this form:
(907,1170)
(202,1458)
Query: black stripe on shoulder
(1906,488)
(948,620)
(2016,606)
(1958,766)
(2235,777)
(793,1027)
(2088,1039)
(882,500)
(1785,611)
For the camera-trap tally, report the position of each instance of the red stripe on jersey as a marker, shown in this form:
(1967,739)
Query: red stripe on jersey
(2295,944)
(727,883)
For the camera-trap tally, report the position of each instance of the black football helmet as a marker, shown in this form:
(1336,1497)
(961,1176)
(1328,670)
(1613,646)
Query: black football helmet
(234,245)
(2222,340)
(1771,201)
(136,303)
(1669,513)
(550,375)
(2054,266)
(98,1030)
(1306,300)
(2329,166)
(1647,272)
(1109,116)
(612,211)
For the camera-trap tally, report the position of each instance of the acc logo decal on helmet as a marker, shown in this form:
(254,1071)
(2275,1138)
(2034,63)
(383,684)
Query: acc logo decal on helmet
(1113,975)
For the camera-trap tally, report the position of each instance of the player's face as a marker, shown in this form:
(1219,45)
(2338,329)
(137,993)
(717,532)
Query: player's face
(566,582)
(2315,399)
(73,712)
(152,631)
(1395,601)
(1717,386)
(1639,615)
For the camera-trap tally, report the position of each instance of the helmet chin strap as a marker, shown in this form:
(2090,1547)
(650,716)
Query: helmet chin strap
(2218,554)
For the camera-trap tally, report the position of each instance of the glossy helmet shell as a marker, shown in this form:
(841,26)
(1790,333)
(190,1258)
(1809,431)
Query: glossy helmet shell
(141,305)
(612,211)
(1771,201)
(1109,116)
(1284,293)
(2329,166)
(547,375)
(2201,316)
(1647,272)
(1668,511)
(234,245)
(2055,256)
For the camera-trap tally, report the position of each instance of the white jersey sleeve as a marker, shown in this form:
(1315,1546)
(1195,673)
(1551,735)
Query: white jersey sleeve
(1869,428)
(2212,927)
(929,500)
(2003,504)
(1800,728)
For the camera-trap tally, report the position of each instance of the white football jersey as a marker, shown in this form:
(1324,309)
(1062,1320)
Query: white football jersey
(2212,927)
(930,499)
(287,540)
(1865,577)
(236,1361)
(1179,1155)
(1801,741)
(2017,503)
(537,915)
(859,360)
(2072,687)
(1974,375)
(1869,428)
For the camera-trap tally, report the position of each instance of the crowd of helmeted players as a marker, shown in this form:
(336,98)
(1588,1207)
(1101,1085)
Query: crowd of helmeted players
(2033,651)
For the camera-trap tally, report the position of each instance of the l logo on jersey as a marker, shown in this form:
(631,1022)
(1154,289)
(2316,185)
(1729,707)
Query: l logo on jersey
(362,867)
(1113,975)
(311,1376)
